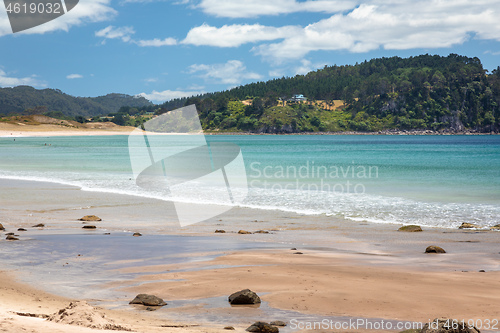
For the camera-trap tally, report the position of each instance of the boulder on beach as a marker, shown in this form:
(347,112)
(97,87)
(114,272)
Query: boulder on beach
(137,234)
(278,323)
(245,296)
(1,227)
(88,218)
(434,249)
(444,325)
(89,227)
(261,232)
(81,313)
(410,228)
(21,229)
(148,300)
(39,225)
(244,232)
(11,237)
(220,231)
(468,226)
(262,327)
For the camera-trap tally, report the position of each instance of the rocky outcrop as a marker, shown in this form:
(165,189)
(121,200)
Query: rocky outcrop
(220,231)
(148,300)
(11,238)
(434,249)
(90,218)
(244,232)
(444,325)
(245,296)
(410,228)
(39,225)
(261,232)
(495,227)
(262,327)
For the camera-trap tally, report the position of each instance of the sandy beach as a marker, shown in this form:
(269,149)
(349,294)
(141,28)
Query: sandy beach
(349,271)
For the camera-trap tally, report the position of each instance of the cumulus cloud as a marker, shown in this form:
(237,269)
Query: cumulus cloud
(9,81)
(232,72)
(255,8)
(125,34)
(236,34)
(85,12)
(74,76)
(397,26)
(355,26)
(166,95)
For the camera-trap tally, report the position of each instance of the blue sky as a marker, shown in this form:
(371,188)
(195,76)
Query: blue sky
(172,48)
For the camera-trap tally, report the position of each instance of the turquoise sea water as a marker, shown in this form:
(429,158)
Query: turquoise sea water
(429,180)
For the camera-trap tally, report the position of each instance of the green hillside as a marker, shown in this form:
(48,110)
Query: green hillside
(19,99)
(426,92)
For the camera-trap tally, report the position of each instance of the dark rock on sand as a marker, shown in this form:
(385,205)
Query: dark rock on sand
(298,253)
(245,296)
(293,249)
(148,300)
(220,231)
(261,232)
(468,226)
(482,271)
(39,225)
(495,227)
(1,227)
(89,227)
(11,237)
(444,325)
(21,229)
(410,228)
(244,232)
(9,234)
(88,218)
(278,323)
(137,234)
(230,328)
(261,327)
(434,249)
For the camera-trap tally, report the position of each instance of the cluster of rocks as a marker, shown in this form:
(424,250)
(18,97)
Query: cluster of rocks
(466,225)
(10,236)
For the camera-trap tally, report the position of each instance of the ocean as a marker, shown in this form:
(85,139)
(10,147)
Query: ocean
(437,181)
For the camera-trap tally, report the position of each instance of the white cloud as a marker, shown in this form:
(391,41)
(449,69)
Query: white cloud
(307,66)
(166,95)
(151,80)
(156,42)
(232,72)
(74,76)
(356,26)
(85,12)
(236,34)
(396,25)
(9,81)
(125,34)
(110,32)
(255,8)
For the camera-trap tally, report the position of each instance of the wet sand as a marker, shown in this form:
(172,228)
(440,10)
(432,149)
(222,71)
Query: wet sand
(347,269)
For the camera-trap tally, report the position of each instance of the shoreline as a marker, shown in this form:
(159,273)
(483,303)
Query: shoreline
(353,269)
(46,130)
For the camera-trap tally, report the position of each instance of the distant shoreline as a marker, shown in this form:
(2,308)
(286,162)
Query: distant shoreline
(48,130)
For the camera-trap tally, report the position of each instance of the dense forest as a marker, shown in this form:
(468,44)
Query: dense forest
(426,92)
(25,100)
(447,94)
